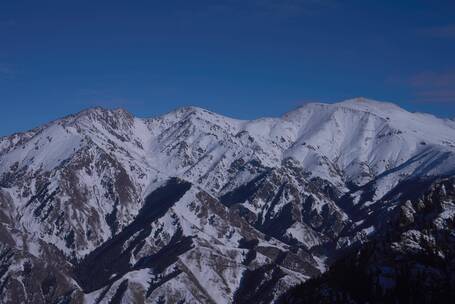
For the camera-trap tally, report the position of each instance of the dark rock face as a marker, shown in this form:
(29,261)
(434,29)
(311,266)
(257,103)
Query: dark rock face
(410,261)
(257,285)
(110,261)
(26,279)
(287,197)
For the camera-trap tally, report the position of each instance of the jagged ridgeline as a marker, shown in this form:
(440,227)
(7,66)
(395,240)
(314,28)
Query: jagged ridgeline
(347,202)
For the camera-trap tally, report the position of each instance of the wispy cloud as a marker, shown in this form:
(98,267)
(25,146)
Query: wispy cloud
(434,86)
(445,31)
(7,23)
(270,8)
(438,96)
(292,7)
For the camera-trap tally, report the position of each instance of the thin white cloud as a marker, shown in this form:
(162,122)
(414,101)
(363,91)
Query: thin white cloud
(248,8)
(434,86)
(445,31)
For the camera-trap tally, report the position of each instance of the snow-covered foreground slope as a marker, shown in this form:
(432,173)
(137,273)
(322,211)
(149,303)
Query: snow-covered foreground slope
(199,207)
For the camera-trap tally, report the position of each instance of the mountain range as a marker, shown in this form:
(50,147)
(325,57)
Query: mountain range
(348,202)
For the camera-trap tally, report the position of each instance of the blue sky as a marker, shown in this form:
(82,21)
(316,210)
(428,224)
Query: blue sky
(242,58)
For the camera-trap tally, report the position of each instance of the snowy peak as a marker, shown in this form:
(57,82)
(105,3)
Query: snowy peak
(380,108)
(116,119)
(369,105)
(196,116)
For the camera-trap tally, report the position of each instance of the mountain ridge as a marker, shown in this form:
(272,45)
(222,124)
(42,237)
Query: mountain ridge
(277,199)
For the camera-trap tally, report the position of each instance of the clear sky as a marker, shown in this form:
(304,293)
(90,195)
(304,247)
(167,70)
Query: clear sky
(242,58)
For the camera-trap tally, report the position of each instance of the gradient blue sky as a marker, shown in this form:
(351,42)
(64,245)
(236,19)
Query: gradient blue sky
(242,58)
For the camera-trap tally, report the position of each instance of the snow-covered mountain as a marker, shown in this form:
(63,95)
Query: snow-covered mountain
(196,207)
